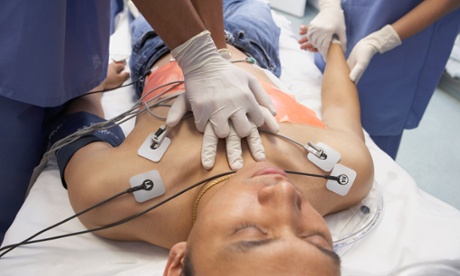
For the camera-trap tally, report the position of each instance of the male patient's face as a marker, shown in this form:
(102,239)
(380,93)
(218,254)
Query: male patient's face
(258,223)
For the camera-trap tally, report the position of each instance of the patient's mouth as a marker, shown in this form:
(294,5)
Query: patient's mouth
(271,170)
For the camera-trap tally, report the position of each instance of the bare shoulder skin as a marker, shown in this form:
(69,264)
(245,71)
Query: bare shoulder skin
(99,171)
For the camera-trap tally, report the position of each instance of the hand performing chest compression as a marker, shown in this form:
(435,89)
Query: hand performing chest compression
(226,101)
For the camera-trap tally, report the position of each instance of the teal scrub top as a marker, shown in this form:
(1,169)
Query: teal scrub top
(52,50)
(396,87)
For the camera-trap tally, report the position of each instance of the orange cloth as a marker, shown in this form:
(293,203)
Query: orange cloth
(288,109)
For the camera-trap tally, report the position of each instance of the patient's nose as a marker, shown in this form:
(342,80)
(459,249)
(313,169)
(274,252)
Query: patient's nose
(283,195)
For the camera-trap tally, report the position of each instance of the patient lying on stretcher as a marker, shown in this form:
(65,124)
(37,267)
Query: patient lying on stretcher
(260,220)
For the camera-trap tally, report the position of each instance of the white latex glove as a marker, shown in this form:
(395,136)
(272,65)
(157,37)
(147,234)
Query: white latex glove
(218,91)
(330,21)
(233,144)
(380,41)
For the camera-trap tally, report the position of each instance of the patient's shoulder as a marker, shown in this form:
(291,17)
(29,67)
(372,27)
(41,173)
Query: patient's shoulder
(90,164)
(355,155)
(353,152)
(94,173)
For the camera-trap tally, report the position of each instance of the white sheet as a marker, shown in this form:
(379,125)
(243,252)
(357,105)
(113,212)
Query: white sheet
(413,227)
(453,64)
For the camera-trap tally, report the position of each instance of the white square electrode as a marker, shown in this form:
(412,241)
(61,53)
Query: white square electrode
(153,154)
(153,182)
(346,178)
(332,158)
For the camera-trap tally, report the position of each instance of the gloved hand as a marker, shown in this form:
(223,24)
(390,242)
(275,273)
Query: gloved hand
(233,140)
(218,92)
(380,41)
(329,21)
(233,143)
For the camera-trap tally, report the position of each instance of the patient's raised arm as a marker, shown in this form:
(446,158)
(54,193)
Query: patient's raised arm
(340,103)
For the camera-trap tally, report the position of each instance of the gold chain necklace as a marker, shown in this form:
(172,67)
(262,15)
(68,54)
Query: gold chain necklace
(214,183)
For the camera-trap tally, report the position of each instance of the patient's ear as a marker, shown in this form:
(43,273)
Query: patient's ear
(175,259)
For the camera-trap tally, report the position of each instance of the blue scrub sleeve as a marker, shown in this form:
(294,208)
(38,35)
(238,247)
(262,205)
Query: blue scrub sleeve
(78,121)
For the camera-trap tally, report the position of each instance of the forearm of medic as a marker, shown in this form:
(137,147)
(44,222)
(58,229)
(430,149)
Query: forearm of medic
(175,21)
(212,16)
(422,16)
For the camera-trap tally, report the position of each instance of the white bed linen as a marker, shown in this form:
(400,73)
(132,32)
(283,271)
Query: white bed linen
(453,64)
(413,227)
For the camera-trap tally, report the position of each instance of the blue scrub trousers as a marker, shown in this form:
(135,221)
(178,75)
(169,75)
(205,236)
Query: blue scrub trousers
(22,144)
(389,144)
(69,57)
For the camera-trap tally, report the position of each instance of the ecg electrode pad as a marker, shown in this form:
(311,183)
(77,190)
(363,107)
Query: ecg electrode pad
(153,154)
(332,158)
(153,183)
(343,184)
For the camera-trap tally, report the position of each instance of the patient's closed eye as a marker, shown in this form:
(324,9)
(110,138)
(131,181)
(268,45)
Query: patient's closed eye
(249,228)
(316,239)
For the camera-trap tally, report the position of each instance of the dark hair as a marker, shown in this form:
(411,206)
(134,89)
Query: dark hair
(187,267)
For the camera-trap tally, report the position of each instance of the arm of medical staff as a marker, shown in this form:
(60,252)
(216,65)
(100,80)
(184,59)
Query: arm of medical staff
(422,16)
(390,36)
(219,93)
(175,21)
(212,20)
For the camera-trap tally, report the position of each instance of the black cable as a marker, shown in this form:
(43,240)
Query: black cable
(29,240)
(142,186)
(107,90)
(325,176)
(9,248)
(26,241)
(115,88)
